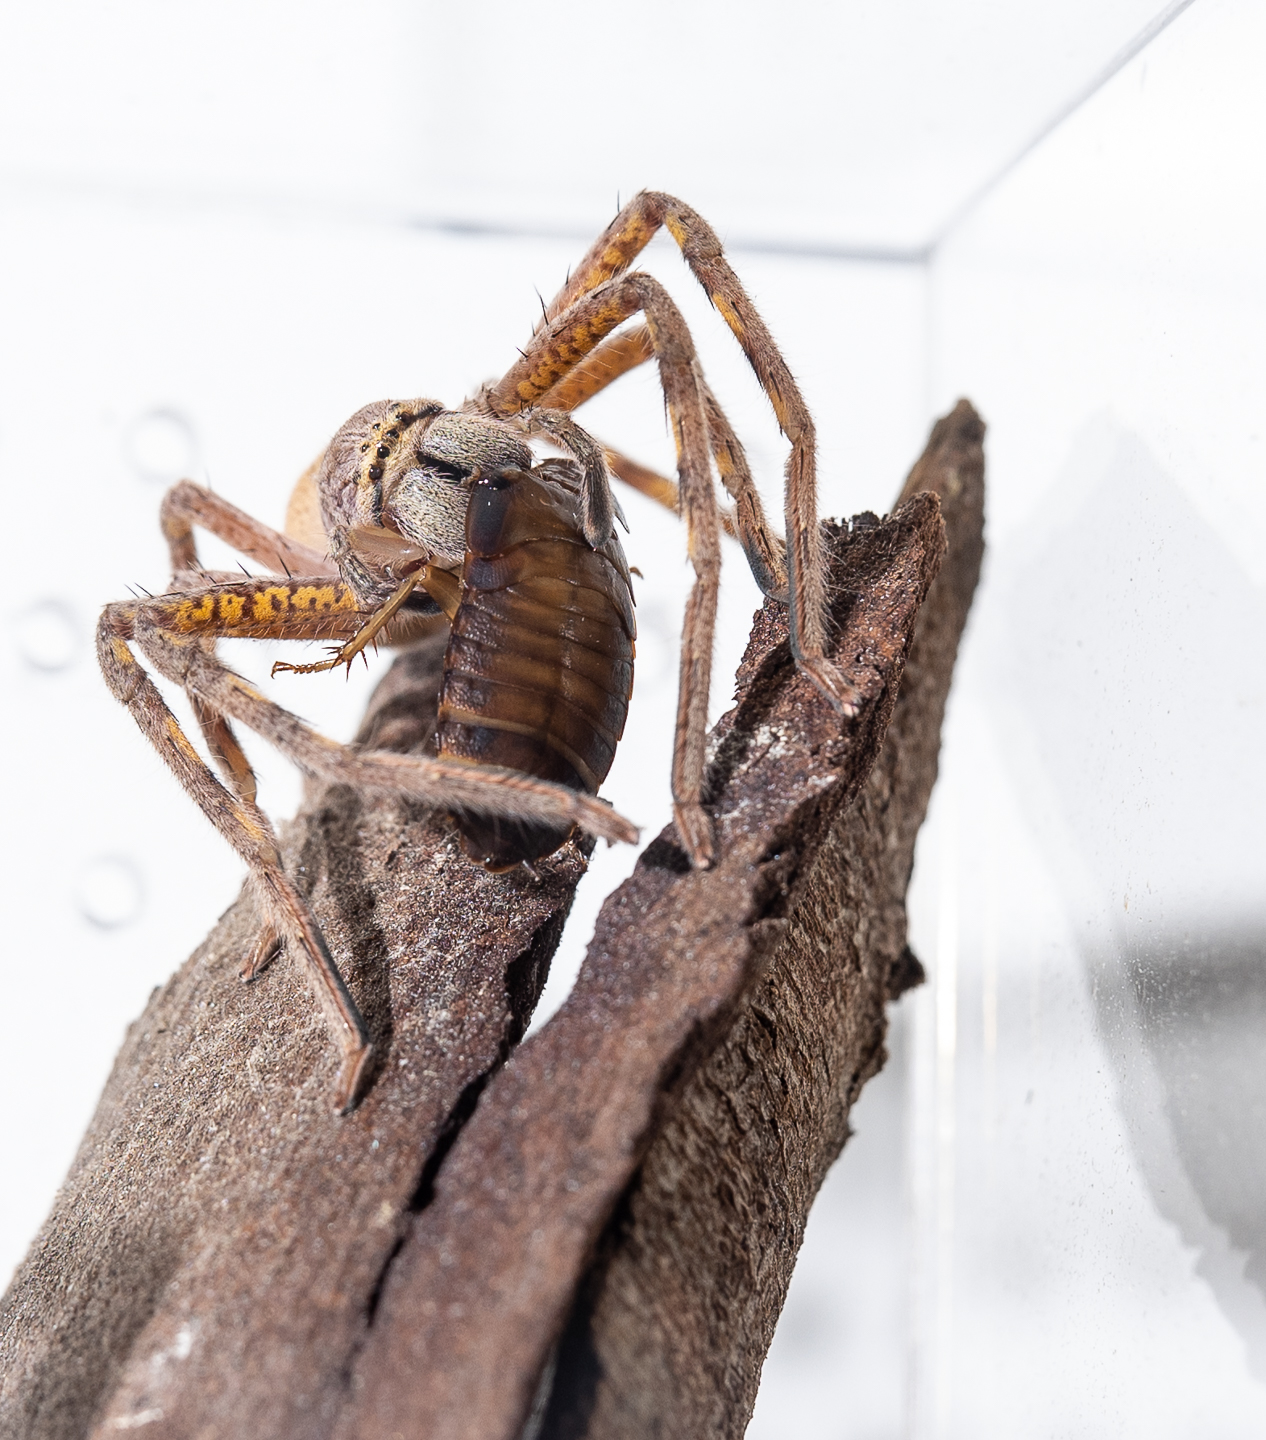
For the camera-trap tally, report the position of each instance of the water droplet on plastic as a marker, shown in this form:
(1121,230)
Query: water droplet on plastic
(161,446)
(111,894)
(48,635)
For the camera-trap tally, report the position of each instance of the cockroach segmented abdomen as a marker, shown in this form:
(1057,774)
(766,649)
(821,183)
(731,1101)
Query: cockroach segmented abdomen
(539,668)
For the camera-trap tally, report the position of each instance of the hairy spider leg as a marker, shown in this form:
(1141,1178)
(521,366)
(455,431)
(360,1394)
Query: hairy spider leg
(748,524)
(168,630)
(611,255)
(238,819)
(184,506)
(552,353)
(346,653)
(601,367)
(171,631)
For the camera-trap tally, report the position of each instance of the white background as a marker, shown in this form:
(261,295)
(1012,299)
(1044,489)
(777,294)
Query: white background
(223,230)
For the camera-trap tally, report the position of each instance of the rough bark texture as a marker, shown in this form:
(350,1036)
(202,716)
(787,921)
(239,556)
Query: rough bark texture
(215,1251)
(677,1312)
(226,1259)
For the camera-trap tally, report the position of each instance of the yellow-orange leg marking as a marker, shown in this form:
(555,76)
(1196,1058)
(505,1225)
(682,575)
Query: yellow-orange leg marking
(602,367)
(610,256)
(616,357)
(364,636)
(245,827)
(313,608)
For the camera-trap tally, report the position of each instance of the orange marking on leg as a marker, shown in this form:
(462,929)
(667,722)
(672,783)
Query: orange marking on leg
(246,688)
(231,607)
(253,828)
(194,617)
(181,741)
(676,229)
(262,603)
(322,597)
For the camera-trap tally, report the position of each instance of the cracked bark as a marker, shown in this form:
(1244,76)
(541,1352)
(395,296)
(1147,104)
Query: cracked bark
(603,1241)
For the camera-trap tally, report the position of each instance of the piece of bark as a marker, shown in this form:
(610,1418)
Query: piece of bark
(805,908)
(678,1310)
(226,1259)
(213,1255)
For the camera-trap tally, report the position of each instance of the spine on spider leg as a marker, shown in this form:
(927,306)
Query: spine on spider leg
(539,667)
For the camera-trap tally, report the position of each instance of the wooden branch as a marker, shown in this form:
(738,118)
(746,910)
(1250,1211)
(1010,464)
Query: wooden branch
(608,1237)
(676,1313)
(214,1253)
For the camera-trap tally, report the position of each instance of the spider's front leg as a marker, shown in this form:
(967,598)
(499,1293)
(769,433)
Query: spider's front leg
(234,812)
(173,632)
(608,260)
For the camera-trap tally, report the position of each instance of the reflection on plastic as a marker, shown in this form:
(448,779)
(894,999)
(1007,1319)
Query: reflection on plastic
(48,636)
(161,446)
(111,894)
(1135,656)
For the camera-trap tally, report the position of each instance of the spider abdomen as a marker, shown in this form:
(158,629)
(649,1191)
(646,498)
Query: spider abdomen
(539,667)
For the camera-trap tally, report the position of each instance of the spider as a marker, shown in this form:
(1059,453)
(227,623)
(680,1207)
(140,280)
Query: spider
(414,513)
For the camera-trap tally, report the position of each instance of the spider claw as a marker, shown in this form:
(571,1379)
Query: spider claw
(267,947)
(695,830)
(842,695)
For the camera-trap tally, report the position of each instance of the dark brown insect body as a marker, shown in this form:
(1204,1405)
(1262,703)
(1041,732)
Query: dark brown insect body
(539,667)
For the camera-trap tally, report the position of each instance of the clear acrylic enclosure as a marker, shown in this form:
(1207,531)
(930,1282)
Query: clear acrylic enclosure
(223,233)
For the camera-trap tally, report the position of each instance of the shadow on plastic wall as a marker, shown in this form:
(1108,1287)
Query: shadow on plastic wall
(1127,650)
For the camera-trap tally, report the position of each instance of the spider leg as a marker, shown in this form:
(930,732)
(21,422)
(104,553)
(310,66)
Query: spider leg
(610,256)
(602,367)
(364,636)
(247,829)
(552,353)
(445,783)
(186,505)
(614,358)
(625,351)
(173,633)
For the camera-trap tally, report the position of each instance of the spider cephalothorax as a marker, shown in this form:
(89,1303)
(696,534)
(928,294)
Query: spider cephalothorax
(417,515)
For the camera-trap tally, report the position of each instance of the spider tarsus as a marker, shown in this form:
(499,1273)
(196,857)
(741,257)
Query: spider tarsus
(352,1078)
(265,949)
(317,667)
(695,830)
(830,682)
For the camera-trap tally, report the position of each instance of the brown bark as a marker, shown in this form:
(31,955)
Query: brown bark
(226,1259)
(214,1251)
(677,1312)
